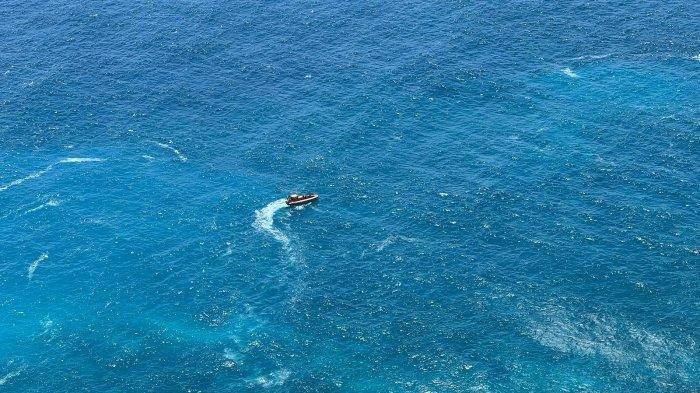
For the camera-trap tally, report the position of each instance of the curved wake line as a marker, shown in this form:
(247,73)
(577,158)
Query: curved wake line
(28,177)
(265,220)
(177,152)
(35,264)
(69,160)
(50,203)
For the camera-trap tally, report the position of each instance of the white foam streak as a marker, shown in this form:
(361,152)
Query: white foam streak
(265,220)
(35,264)
(177,152)
(77,160)
(570,73)
(50,203)
(35,175)
(8,377)
(31,176)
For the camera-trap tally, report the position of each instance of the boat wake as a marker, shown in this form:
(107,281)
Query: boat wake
(31,176)
(177,152)
(50,203)
(32,268)
(265,221)
(37,174)
(78,160)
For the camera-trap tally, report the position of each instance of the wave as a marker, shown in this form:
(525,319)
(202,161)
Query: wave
(35,264)
(265,220)
(177,152)
(31,176)
(35,175)
(9,376)
(591,57)
(50,203)
(696,57)
(76,160)
(569,72)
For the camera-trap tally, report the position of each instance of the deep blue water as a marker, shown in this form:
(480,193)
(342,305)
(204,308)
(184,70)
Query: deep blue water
(509,196)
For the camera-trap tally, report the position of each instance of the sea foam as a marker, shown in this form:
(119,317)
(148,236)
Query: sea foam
(569,72)
(35,175)
(265,220)
(31,176)
(77,160)
(275,378)
(9,376)
(35,264)
(621,343)
(50,203)
(177,152)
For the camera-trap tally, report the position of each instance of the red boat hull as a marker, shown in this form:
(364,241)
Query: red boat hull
(303,200)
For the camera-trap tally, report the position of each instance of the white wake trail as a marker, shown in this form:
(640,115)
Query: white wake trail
(78,160)
(177,152)
(9,376)
(265,220)
(35,175)
(50,203)
(28,177)
(35,264)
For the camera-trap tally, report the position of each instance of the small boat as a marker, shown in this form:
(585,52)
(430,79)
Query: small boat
(296,200)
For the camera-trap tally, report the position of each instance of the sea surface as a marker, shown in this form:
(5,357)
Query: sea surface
(509,196)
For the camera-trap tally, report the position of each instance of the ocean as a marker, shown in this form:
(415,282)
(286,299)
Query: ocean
(509,196)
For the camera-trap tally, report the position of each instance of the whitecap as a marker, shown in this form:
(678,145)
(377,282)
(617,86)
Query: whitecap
(35,264)
(40,173)
(78,160)
(46,323)
(31,176)
(592,57)
(50,203)
(265,220)
(229,250)
(569,72)
(177,152)
(696,57)
(9,376)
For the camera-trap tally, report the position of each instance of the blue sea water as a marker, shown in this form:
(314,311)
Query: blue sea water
(509,196)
